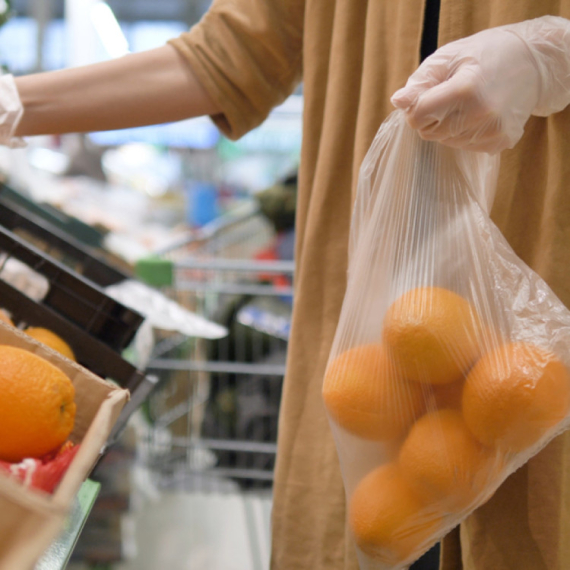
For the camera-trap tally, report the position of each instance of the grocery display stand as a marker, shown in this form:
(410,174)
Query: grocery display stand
(54,217)
(76,306)
(73,308)
(60,241)
(214,274)
(73,304)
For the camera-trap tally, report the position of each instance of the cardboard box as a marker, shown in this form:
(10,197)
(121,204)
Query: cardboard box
(30,520)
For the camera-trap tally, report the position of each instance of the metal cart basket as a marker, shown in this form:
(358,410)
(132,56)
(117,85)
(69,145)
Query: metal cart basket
(213,415)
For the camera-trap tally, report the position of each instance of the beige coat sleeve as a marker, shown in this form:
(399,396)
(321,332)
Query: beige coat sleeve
(248,56)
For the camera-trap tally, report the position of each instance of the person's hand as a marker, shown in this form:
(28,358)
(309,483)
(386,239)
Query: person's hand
(11,111)
(477,93)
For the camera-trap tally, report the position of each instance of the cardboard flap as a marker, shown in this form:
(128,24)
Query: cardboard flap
(28,522)
(92,445)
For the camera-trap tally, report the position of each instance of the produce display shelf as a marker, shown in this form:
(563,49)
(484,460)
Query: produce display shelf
(75,305)
(74,296)
(68,224)
(90,352)
(90,262)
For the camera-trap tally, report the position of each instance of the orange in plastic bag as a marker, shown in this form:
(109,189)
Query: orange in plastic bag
(433,335)
(388,518)
(450,364)
(365,395)
(514,395)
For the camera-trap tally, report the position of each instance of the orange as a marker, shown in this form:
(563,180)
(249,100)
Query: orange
(37,410)
(52,340)
(443,462)
(514,395)
(5,317)
(388,520)
(365,396)
(432,334)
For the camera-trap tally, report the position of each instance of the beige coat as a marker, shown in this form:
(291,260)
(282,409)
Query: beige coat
(352,55)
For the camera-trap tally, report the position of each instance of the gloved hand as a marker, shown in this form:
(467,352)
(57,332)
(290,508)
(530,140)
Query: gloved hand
(11,112)
(477,93)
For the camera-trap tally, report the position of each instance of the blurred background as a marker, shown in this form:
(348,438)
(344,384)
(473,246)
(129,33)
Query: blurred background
(210,224)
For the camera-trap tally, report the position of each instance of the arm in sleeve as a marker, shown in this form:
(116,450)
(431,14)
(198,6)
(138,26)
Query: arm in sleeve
(247,54)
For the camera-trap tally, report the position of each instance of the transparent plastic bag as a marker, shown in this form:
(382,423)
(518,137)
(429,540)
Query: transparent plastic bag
(450,364)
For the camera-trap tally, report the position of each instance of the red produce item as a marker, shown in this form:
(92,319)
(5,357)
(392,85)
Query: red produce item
(44,474)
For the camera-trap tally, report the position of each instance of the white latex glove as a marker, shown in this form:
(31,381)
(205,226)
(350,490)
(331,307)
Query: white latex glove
(11,111)
(477,93)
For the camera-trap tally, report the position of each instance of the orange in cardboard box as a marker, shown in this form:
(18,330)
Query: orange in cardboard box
(37,408)
(364,394)
(52,340)
(29,519)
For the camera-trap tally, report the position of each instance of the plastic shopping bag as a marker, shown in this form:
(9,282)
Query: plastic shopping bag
(450,364)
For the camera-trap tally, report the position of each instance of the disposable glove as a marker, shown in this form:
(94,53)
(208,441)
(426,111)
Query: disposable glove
(11,111)
(477,93)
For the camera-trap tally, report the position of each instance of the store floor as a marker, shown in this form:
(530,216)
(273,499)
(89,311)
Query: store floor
(199,531)
(205,530)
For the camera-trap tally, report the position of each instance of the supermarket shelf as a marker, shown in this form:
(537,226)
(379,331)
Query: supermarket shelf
(83,259)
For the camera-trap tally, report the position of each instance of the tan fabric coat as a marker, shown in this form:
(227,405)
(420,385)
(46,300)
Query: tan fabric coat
(352,55)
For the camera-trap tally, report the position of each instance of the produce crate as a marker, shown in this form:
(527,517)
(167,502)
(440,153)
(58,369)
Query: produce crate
(68,224)
(90,262)
(30,519)
(97,327)
(75,297)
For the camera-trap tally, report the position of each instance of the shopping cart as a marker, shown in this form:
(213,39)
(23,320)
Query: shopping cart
(213,415)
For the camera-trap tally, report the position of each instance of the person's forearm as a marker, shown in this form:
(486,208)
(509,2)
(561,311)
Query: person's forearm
(151,87)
